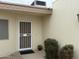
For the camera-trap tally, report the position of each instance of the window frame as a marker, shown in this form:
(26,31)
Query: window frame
(7,35)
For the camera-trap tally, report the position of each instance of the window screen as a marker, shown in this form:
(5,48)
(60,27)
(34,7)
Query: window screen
(3,29)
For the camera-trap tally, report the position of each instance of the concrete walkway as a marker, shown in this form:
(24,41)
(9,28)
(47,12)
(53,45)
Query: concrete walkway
(36,55)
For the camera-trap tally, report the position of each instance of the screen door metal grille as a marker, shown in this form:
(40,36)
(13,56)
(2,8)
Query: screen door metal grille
(25,35)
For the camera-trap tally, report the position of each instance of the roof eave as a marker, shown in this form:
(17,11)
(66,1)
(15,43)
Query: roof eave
(24,8)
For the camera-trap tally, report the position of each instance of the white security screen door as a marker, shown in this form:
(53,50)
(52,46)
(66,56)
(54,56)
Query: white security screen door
(25,35)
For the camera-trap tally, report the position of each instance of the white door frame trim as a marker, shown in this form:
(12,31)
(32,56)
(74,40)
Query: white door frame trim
(19,35)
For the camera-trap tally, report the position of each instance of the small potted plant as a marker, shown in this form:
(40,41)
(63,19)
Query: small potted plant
(39,47)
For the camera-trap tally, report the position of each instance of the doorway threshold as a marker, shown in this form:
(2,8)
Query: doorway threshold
(26,52)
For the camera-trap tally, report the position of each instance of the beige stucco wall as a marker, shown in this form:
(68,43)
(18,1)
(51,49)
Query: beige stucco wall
(11,45)
(63,25)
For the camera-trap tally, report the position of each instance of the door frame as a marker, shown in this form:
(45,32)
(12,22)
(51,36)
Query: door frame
(19,35)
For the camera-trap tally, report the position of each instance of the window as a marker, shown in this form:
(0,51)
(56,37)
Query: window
(3,29)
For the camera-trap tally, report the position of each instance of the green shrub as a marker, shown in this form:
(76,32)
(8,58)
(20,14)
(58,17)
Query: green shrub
(66,52)
(51,48)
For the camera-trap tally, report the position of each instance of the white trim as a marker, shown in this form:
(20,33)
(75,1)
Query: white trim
(26,20)
(18,35)
(25,49)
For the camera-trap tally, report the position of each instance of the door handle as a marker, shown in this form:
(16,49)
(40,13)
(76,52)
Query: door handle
(25,34)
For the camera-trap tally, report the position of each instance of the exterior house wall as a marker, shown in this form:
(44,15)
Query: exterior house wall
(11,45)
(63,24)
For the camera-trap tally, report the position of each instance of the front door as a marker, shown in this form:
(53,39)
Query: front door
(25,35)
